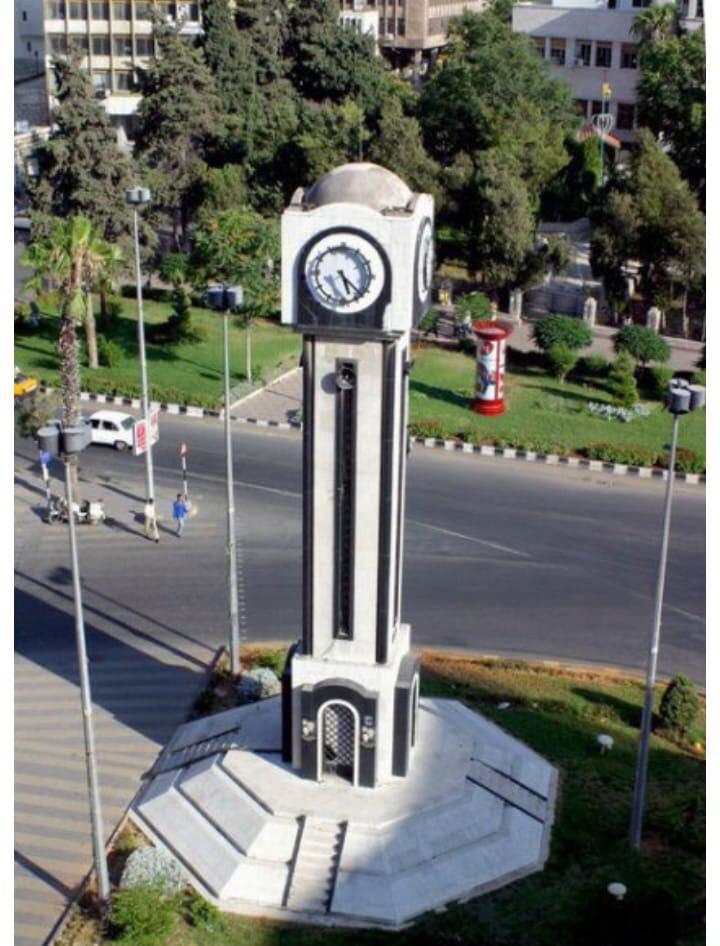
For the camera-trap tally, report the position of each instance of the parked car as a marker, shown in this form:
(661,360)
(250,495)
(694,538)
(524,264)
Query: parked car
(112,428)
(24,385)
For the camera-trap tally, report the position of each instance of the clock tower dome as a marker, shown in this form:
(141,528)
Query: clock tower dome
(357,263)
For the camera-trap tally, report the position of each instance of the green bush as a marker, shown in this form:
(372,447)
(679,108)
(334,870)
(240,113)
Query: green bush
(642,343)
(428,428)
(274,660)
(561,329)
(686,461)
(679,706)
(700,377)
(142,916)
(561,360)
(622,380)
(474,304)
(655,379)
(593,366)
(427,322)
(201,914)
(109,352)
(621,453)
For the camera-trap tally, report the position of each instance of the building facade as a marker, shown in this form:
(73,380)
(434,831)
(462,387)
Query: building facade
(591,46)
(115,38)
(408,28)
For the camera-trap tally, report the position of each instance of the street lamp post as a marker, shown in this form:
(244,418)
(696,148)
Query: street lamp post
(682,398)
(603,124)
(68,442)
(139,197)
(223,299)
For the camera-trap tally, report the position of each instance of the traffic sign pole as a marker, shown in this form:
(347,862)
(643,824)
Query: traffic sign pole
(183,461)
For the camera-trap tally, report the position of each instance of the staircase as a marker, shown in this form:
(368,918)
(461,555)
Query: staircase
(313,877)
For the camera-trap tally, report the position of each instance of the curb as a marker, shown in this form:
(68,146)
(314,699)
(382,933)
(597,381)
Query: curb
(453,446)
(554,459)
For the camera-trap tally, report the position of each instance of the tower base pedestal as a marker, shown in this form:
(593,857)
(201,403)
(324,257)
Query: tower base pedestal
(474,812)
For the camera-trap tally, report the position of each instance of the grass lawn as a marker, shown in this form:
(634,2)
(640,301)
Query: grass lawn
(558,713)
(541,414)
(191,373)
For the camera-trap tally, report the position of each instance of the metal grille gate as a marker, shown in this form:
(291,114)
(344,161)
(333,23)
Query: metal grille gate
(338,728)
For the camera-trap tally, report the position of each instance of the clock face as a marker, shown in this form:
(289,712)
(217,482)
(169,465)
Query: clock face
(426,262)
(344,272)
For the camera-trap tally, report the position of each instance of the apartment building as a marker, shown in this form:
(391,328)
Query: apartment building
(115,38)
(590,45)
(409,30)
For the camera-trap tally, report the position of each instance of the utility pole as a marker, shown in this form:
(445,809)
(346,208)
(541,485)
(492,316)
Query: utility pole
(223,299)
(682,398)
(139,197)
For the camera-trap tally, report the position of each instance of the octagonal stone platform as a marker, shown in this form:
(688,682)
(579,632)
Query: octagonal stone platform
(474,813)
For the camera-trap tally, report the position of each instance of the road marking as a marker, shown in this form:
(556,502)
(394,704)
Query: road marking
(687,614)
(221,479)
(469,538)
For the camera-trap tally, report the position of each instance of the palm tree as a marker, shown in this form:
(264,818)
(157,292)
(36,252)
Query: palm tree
(655,23)
(74,257)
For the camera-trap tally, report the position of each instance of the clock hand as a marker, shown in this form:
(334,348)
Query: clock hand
(353,288)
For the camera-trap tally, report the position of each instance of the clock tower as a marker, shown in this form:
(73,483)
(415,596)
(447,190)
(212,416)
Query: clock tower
(357,263)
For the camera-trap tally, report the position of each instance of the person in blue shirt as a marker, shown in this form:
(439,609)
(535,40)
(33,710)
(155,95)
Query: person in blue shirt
(180,511)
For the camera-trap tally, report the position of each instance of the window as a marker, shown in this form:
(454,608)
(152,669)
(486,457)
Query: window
(28,47)
(401,26)
(381,25)
(24,16)
(539,44)
(144,46)
(612,4)
(128,423)
(122,46)
(557,51)
(124,81)
(596,108)
(628,56)
(100,10)
(78,10)
(603,55)
(78,42)
(583,52)
(143,11)
(700,10)
(581,106)
(641,3)
(625,116)
(58,43)
(122,10)
(102,80)
(101,45)
(55,9)
(166,9)
(108,425)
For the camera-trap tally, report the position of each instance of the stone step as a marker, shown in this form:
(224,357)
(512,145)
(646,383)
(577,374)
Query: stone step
(315,868)
(509,790)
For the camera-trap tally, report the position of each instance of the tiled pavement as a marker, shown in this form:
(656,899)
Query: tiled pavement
(144,674)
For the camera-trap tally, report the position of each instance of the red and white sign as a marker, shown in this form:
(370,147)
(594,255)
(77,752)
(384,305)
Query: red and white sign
(140,441)
(183,449)
(490,379)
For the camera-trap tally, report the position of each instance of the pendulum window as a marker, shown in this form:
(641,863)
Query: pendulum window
(345,419)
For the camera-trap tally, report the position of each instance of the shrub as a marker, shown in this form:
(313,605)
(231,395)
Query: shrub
(273,660)
(593,366)
(524,359)
(621,453)
(428,428)
(109,352)
(561,360)
(622,380)
(476,305)
(427,322)
(142,916)
(699,377)
(561,329)
(686,461)
(199,913)
(468,346)
(642,343)
(624,414)
(679,706)
(701,362)
(655,379)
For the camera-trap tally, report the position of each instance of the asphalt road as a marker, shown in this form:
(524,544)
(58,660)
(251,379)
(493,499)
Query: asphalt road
(501,557)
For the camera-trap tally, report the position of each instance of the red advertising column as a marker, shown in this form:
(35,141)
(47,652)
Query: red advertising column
(490,381)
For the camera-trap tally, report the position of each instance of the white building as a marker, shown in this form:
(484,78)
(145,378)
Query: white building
(591,45)
(115,37)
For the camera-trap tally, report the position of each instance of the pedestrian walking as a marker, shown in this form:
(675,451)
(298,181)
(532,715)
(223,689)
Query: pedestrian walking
(151,526)
(180,511)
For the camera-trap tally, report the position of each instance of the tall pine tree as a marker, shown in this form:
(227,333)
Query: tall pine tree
(177,119)
(81,170)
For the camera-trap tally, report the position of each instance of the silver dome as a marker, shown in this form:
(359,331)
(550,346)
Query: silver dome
(359,183)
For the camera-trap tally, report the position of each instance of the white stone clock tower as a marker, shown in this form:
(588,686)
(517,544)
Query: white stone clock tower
(357,262)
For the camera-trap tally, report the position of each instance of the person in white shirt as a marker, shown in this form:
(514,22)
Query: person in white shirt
(151,526)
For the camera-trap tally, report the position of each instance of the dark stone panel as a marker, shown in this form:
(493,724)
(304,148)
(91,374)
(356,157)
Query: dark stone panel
(385,511)
(402,717)
(286,701)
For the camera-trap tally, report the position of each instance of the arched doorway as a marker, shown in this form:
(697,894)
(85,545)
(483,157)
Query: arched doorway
(338,743)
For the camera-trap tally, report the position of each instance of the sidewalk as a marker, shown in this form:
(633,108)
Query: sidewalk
(144,672)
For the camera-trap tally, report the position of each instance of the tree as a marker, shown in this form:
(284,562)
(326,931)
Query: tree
(328,135)
(561,330)
(240,247)
(671,100)
(655,23)
(652,217)
(81,170)
(72,254)
(410,160)
(642,343)
(561,360)
(680,705)
(176,118)
(622,380)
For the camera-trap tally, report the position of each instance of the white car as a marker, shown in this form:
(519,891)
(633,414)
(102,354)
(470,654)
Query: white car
(112,428)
